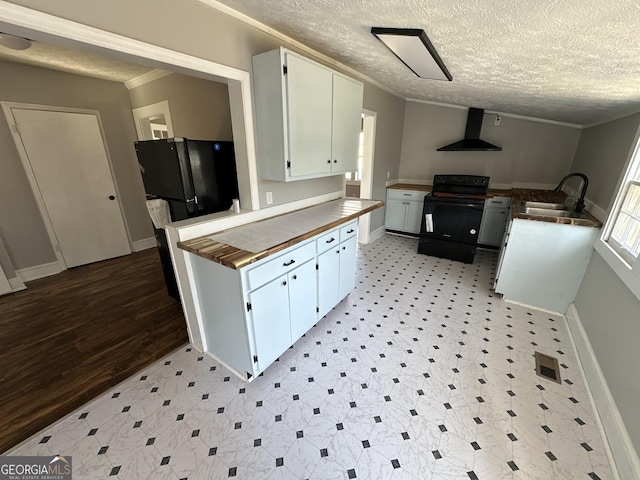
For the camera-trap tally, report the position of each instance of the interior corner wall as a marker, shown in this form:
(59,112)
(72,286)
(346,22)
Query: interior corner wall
(199,108)
(21,225)
(608,310)
(535,154)
(196,29)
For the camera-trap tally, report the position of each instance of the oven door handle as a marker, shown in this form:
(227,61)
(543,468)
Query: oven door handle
(474,206)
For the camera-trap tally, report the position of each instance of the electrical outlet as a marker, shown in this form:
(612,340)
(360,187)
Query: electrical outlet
(497,122)
(269,198)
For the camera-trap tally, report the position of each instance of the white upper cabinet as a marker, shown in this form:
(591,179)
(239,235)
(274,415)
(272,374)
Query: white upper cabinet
(308,117)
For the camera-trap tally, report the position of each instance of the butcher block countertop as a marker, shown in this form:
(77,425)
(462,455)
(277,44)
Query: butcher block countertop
(318,219)
(492,192)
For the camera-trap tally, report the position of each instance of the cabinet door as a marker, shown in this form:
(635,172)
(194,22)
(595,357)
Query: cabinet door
(309,111)
(413,218)
(394,215)
(271,325)
(303,299)
(492,226)
(328,274)
(347,279)
(347,121)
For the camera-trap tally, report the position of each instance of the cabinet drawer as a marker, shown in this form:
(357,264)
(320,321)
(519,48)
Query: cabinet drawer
(407,195)
(280,265)
(328,240)
(349,230)
(497,202)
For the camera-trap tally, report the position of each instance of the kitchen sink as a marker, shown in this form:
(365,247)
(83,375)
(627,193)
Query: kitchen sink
(546,205)
(547,209)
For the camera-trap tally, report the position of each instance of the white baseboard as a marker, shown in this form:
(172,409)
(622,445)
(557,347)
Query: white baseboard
(376,234)
(143,244)
(625,462)
(40,271)
(16,284)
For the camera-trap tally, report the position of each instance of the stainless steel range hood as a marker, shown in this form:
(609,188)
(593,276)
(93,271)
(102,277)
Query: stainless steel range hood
(471,141)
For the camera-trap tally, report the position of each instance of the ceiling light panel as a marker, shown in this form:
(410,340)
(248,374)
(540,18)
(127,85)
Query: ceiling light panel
(413,48)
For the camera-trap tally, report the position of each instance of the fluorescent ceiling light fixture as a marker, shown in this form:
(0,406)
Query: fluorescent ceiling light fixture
(13,42)
(413,48)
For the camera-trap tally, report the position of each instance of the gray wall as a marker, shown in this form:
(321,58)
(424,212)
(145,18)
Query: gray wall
(21,225)
(607,308)
(199,30)
(533,153)
(199,108)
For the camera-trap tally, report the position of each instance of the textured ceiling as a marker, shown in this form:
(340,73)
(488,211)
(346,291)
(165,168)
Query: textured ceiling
(74,61)
(575,61)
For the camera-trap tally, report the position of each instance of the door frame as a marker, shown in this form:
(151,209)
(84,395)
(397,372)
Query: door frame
(366,182)
(30,23)
(7,107)
(142,114)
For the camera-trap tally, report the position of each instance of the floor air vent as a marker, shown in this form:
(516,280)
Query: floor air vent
(547,367)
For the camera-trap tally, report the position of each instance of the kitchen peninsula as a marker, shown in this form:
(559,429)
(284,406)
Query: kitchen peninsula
(259,287)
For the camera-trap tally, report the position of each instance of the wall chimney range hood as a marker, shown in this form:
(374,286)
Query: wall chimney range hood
(471,141)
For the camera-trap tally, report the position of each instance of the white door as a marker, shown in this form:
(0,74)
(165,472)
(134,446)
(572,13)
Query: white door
(345,129)
(71,170)
(303,287)
(328,277)
(348,257)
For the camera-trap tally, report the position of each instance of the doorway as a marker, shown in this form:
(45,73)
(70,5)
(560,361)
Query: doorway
(67,164)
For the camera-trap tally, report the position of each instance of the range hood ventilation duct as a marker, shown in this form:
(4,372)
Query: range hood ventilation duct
(471,141)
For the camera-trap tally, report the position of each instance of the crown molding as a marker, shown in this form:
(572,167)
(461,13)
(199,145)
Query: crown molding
(145,78)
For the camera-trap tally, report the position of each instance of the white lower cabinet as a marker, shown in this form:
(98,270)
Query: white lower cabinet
(282,311)
(404,210)
(252,315)
(494,219)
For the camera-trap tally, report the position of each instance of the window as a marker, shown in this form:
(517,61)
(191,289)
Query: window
(624,224)
(625,235)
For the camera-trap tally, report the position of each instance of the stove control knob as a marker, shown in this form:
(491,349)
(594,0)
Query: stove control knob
(472,231)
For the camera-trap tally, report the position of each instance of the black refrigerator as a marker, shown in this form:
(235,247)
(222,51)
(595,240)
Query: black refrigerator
(195,177)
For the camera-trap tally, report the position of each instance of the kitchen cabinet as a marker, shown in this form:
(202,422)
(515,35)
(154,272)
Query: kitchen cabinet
(494,219)
(404,210)
(542,263)
(337,252)
(308,117)
(283,310)
(251,315)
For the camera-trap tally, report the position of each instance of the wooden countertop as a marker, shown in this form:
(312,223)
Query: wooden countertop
(523,194)
(526,195)
(331,214)
(492,192)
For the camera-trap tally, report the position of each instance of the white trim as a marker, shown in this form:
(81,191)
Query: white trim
(143,113)
(40,271)
(298,46)
(376,234)
(511,115)
(16,284)
(612,119)
(144,244)
(152,76)
(620,450)
(40,26)
(370,119)
(533,307)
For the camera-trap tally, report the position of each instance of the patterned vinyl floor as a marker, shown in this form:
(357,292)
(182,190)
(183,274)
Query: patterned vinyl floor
(420,373)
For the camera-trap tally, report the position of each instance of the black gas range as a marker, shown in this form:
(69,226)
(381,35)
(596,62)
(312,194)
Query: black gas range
(452,215)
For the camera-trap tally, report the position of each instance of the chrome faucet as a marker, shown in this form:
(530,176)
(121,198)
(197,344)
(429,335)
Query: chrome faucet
(585,184)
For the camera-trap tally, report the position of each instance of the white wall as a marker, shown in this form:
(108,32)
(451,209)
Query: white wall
(534,153)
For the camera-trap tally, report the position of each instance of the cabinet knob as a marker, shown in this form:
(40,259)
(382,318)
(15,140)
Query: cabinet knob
(344,248)
(329,161)
(284,283)
(295,277)
(338,251)
(335,161)
(112,197)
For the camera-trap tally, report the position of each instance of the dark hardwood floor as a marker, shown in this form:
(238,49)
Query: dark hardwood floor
(72,336)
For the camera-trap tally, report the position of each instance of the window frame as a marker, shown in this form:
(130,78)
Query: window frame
(623,264)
